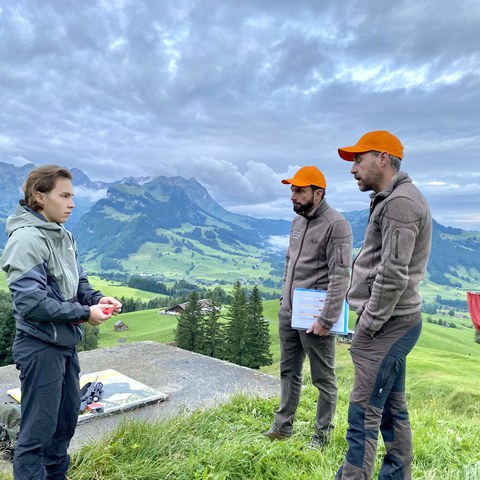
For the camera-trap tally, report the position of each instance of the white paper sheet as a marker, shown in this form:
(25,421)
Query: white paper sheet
(308,303)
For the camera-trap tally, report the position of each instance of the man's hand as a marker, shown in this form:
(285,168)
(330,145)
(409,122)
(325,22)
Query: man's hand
(97,316)
(317,329)
(109,302)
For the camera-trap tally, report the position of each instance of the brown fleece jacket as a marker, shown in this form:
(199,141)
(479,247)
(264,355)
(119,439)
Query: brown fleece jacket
(387,272)
(319,258)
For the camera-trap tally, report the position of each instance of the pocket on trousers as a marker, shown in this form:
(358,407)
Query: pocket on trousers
(386,378)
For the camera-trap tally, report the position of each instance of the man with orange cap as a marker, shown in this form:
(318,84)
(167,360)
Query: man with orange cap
(384,293)
(319,257)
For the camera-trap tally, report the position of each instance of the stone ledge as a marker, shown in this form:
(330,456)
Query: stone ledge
(190,380)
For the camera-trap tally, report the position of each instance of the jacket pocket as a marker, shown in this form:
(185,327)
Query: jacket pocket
(344,255)
(402,244)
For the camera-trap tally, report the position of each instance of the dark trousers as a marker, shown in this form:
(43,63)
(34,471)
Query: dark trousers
(50,403)
(295,345)
(378,401)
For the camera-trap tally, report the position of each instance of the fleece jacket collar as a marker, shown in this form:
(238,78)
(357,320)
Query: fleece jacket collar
(398,179)
(323,207)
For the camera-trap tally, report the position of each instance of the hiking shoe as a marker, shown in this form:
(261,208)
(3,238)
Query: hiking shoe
(317,442)
(273,435)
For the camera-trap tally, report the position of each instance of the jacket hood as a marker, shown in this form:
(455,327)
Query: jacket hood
(25,217)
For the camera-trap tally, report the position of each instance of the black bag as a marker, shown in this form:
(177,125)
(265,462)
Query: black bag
(10,416)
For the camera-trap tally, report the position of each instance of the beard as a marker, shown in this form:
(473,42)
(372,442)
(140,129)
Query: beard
(302,208)
(371,181)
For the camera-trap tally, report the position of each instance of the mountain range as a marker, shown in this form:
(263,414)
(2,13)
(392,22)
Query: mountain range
(171,227)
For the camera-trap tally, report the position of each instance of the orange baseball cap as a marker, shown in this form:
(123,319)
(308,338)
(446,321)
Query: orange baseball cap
(379,140)
(307,176)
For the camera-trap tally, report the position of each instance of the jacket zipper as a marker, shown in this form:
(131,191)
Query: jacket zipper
(296,260)
(372,208)
(385,374)
(54,332)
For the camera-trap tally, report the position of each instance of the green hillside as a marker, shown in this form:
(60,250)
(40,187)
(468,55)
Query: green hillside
(197,262)
(111,288)
(117,290)
(142,326)
(173,228)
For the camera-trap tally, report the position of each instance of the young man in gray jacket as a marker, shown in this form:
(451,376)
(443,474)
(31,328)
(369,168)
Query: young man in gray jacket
(51,298)
(319,258)
(385,295)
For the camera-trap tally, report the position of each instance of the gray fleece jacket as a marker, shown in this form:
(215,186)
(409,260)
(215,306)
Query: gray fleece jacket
(319,258)
(51,293)
(387,272)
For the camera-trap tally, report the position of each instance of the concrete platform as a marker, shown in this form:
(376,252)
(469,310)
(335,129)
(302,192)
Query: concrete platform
(190,380)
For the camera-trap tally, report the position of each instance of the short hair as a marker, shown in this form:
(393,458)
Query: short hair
(395,162)
(42,179)
(316,187)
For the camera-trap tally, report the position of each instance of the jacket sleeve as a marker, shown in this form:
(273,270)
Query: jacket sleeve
(339,259)
(86,294)
(400,224)
(24,262)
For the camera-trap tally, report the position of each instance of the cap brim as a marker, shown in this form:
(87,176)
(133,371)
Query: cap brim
(295,182)
(348,153)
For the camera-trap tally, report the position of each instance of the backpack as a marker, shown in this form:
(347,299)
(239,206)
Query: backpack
(9,425)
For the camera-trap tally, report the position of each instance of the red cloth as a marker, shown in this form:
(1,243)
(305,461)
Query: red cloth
(474,307)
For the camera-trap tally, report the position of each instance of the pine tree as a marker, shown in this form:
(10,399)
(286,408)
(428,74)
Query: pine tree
(257,332)
(188,334)
(7,329)
(235,341)
(213,333)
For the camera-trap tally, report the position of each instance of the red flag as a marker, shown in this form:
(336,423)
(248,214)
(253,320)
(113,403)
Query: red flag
(474,307)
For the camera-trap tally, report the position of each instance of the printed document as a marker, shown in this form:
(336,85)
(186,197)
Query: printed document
(308,303)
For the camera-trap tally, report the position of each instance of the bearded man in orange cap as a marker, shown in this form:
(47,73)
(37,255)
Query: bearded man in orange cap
(384,293)
(318,258)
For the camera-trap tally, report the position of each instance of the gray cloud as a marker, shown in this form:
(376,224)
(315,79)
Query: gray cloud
(240,94)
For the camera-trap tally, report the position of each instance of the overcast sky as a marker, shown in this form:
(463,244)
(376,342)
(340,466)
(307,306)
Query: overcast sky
(239,94)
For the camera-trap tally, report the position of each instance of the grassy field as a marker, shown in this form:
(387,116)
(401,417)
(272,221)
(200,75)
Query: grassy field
(116,290)
(430,291)
(143,325)
(226,443)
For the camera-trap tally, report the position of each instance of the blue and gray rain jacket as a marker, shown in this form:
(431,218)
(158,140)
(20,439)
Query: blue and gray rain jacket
(51,293)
